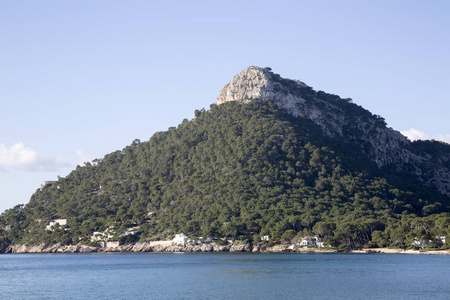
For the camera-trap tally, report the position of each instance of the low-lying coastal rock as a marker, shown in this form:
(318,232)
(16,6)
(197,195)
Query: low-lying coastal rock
(137,247)
(44,248)
(211,247)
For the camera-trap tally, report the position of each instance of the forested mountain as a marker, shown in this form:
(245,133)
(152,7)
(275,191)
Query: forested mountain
(272,157)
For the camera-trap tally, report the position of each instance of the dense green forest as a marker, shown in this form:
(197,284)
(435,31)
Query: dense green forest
(240,171)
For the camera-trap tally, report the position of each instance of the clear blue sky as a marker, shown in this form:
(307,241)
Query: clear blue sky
(80,79)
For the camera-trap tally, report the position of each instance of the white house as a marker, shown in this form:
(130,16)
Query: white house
(105,236)
(97,236)
(48,184)
(311,241)
(199,241)
(320,243)
(207,240)
(53,223)
(265,238)
(180,238)
(101,236)
(419,243)
(131,231)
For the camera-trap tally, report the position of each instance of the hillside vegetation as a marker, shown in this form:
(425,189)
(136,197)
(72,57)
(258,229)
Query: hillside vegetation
(242,171)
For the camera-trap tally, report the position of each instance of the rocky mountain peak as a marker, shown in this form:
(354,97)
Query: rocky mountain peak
(259,83)
(339,119)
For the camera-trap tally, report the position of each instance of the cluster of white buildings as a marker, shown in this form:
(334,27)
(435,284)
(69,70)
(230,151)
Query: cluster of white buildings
(108,234)
(182,239)
(308,241)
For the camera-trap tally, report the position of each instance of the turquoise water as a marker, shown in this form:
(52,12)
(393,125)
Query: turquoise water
(224,276)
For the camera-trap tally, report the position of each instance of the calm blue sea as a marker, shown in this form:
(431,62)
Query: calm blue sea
(224,276)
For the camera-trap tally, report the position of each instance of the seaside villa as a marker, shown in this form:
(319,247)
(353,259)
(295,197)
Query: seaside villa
(180,238)
(312,241)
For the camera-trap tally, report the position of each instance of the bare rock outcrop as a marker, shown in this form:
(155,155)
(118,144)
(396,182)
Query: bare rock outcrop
(25,248)
(44,248)
(241,248)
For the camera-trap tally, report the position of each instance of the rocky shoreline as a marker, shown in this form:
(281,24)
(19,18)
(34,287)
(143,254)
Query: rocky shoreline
(151,247)
(211,247)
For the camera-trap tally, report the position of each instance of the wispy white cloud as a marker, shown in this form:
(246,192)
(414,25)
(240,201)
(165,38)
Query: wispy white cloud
(20,157)
(83,157)
(415,134)
(17,156)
